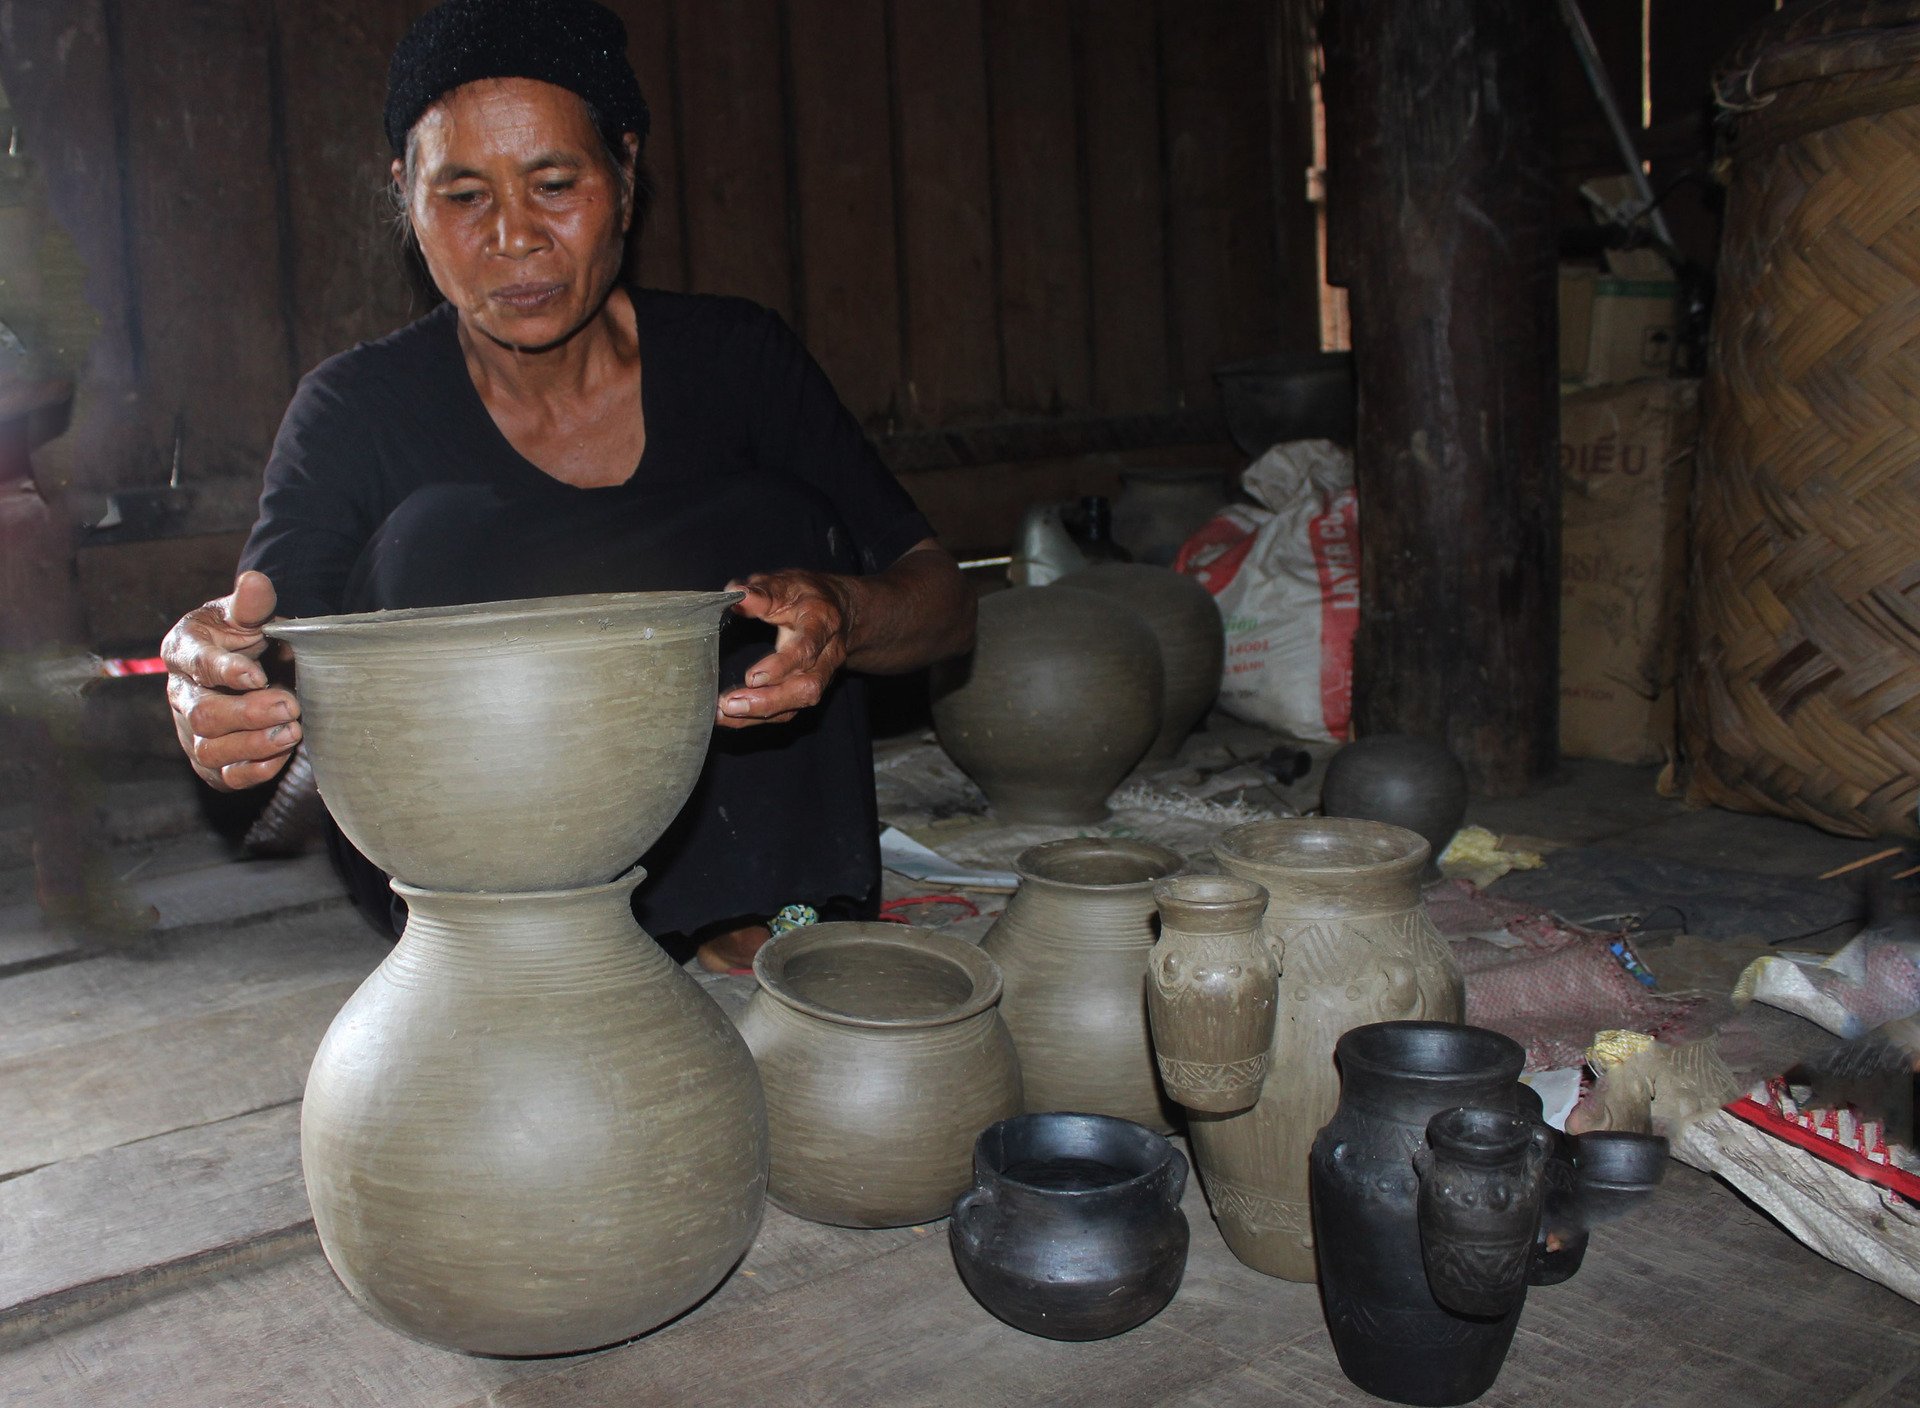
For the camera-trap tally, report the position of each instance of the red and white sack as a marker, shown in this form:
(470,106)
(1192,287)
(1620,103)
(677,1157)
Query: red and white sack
(1286,577)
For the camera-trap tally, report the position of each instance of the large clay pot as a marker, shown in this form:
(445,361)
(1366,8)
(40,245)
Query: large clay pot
(529,1131)
(520,745)
(883,1056)
(1072,944)
(1211,984)
(1057,702)
(1393,1338)
(1073,1228)
(1186,622)
(1354,945)
(1402,781)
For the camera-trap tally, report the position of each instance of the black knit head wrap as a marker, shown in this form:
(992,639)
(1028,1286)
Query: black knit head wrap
(573,44)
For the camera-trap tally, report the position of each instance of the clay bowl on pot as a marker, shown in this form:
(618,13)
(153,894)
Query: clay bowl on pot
(1402,781)
(1073,1228)
(1186,623)
(883,1055)
(513,745)
(1057,702)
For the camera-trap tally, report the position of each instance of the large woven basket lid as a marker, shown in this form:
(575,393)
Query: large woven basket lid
(1814,40)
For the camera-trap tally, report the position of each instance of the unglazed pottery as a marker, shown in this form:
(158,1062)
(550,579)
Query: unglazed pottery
(522,745)
(1057,702)
(1072,944)
(883,1056)
(1073,1228)
(529,1131)
(1403,781)
(1159,509)
(1393,1338)
(1186,623)
(1211,991)
(1345,923)
(1481,1185)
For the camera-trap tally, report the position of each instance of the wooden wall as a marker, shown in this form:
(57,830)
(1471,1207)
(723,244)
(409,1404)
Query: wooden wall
(973,210)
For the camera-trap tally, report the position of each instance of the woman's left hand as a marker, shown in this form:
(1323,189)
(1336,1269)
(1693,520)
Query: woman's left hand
(813,612)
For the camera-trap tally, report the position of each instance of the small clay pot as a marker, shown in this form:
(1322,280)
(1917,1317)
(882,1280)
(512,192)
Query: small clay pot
(1402,781)
(513,745)
(1616,1172)
(883,1055)
(1073,944)
(1210,991)
(1058,700)
(1073,1228)
(1481,1188)
(1186,622)
(1159,509)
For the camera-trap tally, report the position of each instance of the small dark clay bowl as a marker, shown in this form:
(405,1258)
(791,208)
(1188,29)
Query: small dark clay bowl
(1072,1229)
(1617,1172)
(1404,781)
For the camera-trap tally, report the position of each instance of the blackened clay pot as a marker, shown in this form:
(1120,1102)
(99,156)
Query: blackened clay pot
(1345,923)
(1481,1186)
(1211,984)
(1186,623)
(518,745)
(883,1055)
(1057,702)
(1073,1228)
(1072,944)
(529,1131)
(1402,781)
(1393,1338)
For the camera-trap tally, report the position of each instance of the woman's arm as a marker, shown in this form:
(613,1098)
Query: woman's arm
(916,612)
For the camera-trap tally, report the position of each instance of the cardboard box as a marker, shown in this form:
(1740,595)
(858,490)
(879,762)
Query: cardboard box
(1615,330)
(1626,473)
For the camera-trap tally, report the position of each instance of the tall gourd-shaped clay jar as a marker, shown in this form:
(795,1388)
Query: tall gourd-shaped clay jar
(1354,945)
(529,1131)
(1072,946)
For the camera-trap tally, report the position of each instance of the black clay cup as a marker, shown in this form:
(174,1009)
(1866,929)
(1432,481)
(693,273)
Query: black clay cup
(1616,1172)
(1404,781)
(1072,1229)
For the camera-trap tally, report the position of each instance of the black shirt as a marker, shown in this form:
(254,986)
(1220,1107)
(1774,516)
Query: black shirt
(390,485)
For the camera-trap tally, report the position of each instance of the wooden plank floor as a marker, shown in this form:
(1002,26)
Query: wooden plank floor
(156,1248)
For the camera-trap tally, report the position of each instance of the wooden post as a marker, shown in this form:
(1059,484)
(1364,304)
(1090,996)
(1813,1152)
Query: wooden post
(1440,182)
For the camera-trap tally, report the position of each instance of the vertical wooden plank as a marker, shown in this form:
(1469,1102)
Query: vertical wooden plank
(57,62)
(207,237)
(943,185)
(1125,205)
(849,273)
(735,146)
(661,260)
(1220,237)
(1296,227)
(348,265)
(1039,217)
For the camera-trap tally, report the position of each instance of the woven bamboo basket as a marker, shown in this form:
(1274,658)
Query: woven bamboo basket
(1802,695)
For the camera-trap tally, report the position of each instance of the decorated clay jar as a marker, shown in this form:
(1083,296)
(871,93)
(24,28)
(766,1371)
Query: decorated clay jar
(1073,944)
(883,1056)
(1186,623)
(1210,991)
(1346,926)
(1057,702)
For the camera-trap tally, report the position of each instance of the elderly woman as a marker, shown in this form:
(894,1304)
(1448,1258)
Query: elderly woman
(551,429)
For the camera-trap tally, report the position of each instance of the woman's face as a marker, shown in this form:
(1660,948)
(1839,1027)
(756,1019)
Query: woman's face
(518,213)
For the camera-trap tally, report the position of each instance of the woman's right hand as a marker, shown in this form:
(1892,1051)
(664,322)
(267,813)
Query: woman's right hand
(236,731)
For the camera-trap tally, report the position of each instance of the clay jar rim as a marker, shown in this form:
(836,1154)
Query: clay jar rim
(1163,1157)
(1032,864)
(1392,850)
(627,881)
(686,613)
(1472,1134)
(1222,904)
(770,964)
(1372,1050)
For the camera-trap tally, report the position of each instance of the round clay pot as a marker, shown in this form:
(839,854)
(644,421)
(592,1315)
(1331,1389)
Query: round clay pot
(1193,643)
(1159,509)
(1073,1228)
(1402,781)
(1211,984)
(1345,923)
(510,746)
(883,1056)
(1073,944)
(529,1131)
(1057,702)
